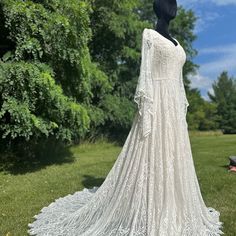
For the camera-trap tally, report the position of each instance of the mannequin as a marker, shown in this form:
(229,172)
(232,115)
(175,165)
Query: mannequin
(165,11)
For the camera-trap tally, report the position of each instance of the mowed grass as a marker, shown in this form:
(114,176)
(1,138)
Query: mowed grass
(24,193)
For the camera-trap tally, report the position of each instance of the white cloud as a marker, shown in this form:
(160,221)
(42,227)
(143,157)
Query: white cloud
(224,58)
(205,19)
(224,2)
(218,65)
(201,82)
(228,48)
(211,91)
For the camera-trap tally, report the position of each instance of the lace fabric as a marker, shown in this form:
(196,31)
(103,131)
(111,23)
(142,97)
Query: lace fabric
(144,90)
(152,189)
(184,99)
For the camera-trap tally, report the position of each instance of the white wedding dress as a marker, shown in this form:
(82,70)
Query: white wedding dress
(152,188)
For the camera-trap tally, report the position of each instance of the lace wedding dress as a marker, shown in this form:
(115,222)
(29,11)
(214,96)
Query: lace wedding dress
(152,189)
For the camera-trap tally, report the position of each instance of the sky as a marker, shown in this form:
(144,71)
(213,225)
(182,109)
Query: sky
(216,41)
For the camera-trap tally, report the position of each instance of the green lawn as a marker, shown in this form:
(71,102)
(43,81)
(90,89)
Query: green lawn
(23,192)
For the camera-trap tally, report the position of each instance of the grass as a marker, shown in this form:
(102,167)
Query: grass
(24,193)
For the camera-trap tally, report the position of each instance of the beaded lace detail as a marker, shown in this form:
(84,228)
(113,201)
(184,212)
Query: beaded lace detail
(152,188)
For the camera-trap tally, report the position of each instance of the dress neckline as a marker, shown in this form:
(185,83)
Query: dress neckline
(166,38)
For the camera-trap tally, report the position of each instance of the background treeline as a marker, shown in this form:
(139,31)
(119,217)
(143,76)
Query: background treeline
(68,71)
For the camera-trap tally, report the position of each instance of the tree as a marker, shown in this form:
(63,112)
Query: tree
(210,120)
(91,49)
(225,98)
(116,46)
(46,71)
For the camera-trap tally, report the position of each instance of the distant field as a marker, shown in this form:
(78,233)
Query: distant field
(23,193)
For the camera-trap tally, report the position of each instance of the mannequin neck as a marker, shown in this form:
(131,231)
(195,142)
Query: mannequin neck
(162,26)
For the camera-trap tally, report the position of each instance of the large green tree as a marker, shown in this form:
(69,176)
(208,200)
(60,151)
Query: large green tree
(91,49)
(116,46)
(48,82)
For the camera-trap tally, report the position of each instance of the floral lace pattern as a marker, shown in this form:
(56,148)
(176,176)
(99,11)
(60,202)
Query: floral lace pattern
(152,188)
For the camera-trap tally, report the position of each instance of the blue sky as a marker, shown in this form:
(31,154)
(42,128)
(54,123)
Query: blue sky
(216,42)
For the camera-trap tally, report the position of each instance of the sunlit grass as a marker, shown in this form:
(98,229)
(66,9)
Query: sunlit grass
(23,194)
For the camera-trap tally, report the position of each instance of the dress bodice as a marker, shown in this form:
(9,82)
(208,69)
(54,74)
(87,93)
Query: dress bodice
(161,60)
(167,59)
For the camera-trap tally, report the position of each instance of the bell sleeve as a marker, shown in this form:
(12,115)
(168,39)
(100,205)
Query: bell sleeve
(184,99)
(144,90)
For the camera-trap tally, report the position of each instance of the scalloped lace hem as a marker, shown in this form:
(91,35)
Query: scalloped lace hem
(55,212)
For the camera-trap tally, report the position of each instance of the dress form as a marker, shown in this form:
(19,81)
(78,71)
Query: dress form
(165,11)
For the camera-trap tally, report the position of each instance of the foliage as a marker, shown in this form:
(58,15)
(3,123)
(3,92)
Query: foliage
(202,115)
(32,105)
(119,108)
(225,99)
(211,118)
(93,52)
(116,46)
(56,34)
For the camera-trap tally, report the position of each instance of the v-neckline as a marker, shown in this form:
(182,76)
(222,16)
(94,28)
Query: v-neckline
(167,39)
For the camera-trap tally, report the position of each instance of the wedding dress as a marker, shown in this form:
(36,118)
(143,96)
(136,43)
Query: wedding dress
(152,188)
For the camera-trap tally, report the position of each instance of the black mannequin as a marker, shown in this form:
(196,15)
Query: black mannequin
(165,11)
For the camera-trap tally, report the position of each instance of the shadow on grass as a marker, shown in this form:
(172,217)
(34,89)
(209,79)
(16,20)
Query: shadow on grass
(90,181)
(26,159)
(225,166)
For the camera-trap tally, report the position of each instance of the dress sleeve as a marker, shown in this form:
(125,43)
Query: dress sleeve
(144,90)
(185,102)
